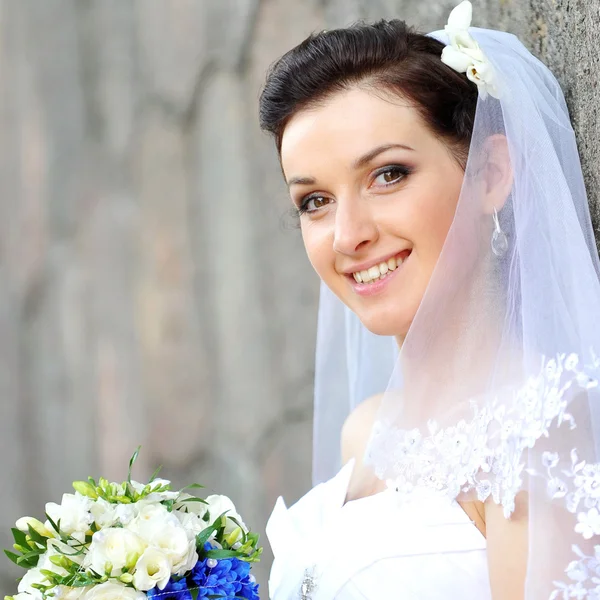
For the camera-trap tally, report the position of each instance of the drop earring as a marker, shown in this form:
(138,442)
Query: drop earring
(499,239)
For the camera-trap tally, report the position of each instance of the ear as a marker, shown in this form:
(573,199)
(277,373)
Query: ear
(497,173)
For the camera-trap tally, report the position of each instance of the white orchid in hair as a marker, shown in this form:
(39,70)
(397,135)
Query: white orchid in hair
(463,53)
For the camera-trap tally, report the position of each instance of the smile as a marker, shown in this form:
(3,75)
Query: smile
(381,270)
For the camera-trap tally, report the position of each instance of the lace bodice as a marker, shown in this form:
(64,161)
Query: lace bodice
(375,547)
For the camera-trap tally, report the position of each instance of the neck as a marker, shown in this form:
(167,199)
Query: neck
(450,355)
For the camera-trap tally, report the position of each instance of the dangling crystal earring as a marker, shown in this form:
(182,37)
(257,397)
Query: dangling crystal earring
(499,239)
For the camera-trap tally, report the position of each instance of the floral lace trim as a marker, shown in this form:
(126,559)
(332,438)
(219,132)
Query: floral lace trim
(486,454)
(584,574)
(579,486)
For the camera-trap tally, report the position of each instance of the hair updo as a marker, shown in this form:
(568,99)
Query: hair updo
(388,57)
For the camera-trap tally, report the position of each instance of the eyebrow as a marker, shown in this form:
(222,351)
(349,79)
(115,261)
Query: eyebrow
(369,156)
(357,164)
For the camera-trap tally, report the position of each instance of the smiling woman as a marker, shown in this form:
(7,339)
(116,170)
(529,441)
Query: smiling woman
(442,205)
(383,187)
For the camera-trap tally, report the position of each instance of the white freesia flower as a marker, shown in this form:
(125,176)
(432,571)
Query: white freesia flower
(44,564)
(73,513)
(153,569)
(112,590)
(151,517)
(218,505)
(155,496)
(32,576)
(63,592)
(175,543)
(116,548)
(163,530)
(24,596)
(198,508)
(191,522)
(107,514)
(460,17)
(104,513)
(455,59)
(58,548)
(125,513)
(24,523)
(464,55)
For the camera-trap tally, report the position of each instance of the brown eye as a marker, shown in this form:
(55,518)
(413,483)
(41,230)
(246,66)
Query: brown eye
(390,175)
(313,204)
(319,202)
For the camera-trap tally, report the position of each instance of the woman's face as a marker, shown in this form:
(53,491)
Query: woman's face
(377,192)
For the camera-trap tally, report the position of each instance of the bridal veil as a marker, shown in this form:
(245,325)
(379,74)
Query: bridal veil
(494,392)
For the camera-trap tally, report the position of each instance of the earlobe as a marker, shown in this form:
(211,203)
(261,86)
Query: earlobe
(498,173)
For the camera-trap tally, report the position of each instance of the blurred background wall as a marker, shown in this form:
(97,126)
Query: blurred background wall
(152,289)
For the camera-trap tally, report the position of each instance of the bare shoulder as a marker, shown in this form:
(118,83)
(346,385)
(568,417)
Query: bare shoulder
(355,437)
(357,428)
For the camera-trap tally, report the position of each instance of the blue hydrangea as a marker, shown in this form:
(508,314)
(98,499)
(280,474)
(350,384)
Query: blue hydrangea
(230,578)
(175,590)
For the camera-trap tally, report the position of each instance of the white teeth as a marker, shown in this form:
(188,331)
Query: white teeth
(374,272)
(378,271)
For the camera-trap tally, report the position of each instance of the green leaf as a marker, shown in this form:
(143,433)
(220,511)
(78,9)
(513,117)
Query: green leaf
(20,537)
(193,486)
(255,556)
(34,554)
(242,529)
(132,462)
(36,537)
(50,575)
(217,527)
(203,536)
(154,475)
(236,522)
(14,557)
(193,499)
(224,553)
(27,564)
(55,526)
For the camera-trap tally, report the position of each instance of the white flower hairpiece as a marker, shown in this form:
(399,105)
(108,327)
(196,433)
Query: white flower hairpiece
(464,55)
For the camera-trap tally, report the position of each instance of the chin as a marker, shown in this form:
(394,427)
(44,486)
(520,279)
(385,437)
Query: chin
(381,323)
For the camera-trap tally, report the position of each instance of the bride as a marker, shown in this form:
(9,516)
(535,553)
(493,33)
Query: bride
(441,202)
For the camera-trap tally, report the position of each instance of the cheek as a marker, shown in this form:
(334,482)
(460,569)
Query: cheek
(430,221)
(318,244)
(437,233)
(439,225)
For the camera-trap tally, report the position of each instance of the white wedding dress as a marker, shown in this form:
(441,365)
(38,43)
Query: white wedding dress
(375,547)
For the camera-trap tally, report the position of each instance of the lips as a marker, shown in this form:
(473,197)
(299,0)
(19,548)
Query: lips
(380,270)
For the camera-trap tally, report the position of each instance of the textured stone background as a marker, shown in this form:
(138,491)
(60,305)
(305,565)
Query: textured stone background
(151,288)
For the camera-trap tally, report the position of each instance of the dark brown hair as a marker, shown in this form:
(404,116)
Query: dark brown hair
(386,57)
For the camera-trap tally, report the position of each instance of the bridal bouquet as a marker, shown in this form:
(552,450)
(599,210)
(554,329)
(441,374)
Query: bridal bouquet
(132,541)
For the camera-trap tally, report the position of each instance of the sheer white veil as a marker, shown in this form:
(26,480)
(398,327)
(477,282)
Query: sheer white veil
(494,391)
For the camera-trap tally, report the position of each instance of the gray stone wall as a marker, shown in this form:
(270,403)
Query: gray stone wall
(152,289)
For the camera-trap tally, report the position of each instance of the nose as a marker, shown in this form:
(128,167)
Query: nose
(355,227)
